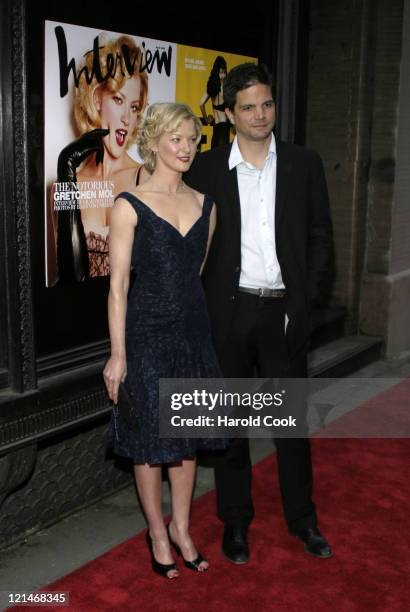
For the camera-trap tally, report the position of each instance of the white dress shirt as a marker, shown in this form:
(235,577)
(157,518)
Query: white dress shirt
(257,191)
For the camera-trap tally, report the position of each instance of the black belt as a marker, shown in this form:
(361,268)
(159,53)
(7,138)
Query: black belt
(264,292)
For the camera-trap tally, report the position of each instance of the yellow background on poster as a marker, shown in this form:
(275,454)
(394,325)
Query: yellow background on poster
(194,66)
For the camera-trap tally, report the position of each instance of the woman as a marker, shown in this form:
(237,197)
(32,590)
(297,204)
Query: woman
(215,93)
(107,115)
(163,230)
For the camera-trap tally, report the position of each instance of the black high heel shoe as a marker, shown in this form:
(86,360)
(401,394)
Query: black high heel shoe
(160,568)
(192,565)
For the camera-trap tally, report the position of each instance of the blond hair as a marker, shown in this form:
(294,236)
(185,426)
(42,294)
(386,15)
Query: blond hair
(162,117)
(86,114)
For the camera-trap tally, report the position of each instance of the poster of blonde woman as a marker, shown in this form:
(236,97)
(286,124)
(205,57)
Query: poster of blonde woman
(97,86)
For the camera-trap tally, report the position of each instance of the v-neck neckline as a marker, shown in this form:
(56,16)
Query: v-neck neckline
(170,224)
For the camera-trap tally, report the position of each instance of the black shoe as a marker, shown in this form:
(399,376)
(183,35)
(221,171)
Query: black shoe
(192,565)
(235,544)
(315,542)
(160,568)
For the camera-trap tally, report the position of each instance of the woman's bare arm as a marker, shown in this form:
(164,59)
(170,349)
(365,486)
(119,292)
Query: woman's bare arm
(123,220)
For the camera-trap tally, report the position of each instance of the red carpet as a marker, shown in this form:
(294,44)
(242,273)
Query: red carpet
(386,415)
(362,493)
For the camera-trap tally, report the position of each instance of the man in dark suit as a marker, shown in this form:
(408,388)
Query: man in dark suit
(269,263)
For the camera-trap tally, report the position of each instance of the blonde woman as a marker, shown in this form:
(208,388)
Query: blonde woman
(160,329)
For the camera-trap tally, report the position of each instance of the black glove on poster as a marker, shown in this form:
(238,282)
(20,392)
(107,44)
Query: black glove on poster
(72,254)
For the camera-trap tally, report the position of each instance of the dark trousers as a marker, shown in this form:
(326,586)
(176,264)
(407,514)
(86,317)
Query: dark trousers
(257,341)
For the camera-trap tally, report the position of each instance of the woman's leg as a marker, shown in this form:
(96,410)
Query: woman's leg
(149,485)
(182,483)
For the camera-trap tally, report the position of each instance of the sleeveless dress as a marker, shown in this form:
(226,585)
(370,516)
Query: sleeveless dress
(167,332)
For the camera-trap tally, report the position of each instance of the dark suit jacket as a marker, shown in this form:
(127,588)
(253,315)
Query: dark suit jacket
(303,232)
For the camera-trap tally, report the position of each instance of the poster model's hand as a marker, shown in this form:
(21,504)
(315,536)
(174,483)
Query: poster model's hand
(72,252)
(73,154)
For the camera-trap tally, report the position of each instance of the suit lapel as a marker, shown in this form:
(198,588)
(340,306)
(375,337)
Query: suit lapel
(231,189)
(233,196)
(283,168)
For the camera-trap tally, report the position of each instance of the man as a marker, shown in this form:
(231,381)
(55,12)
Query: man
(269,263)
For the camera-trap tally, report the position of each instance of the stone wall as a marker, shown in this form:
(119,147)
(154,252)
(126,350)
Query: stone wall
(357,119)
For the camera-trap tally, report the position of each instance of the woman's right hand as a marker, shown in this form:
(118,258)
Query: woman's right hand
(114,373)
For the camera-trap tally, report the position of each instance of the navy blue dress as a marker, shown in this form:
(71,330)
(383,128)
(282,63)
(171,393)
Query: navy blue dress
(167,330)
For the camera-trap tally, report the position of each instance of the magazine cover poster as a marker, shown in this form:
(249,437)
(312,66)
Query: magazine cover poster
(199,83)
(97,86)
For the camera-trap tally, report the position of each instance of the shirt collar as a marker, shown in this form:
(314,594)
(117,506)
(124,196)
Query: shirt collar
(235,157)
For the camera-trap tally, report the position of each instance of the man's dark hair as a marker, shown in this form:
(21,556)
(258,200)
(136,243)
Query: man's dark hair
(244,76)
